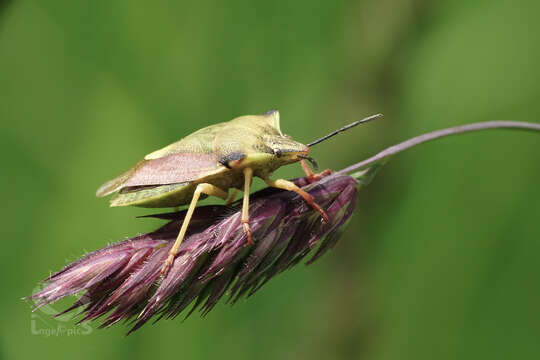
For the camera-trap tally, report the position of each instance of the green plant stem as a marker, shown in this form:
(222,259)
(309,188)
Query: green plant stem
(383,155)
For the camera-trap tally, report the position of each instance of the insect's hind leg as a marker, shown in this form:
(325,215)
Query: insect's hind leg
(248,177)
(203,188)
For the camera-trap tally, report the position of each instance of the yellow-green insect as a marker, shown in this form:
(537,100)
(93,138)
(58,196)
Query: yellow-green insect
(209,162)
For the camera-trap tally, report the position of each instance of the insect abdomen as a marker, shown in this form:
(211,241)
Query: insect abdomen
(158,196)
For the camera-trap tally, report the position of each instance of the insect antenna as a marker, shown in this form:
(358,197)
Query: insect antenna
(369,118)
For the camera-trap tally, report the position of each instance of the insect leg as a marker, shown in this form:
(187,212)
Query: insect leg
(288,185)
(231,197)
(311,177)
(307,169)
(248,176)
(203,188)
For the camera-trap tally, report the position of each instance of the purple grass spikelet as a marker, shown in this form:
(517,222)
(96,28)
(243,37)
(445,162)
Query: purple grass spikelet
(122,281)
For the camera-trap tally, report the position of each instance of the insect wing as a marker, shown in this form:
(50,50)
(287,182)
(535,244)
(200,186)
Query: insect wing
(170,169)
(174,168)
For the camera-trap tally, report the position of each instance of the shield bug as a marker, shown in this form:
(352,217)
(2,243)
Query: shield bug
(211,161)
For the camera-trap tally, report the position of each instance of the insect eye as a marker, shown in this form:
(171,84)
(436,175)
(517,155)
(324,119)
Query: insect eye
(277,152)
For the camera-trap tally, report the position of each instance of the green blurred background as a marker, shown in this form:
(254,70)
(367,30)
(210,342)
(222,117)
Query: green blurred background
(441,259)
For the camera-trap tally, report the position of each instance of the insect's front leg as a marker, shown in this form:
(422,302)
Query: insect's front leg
(310,176)
(203,188)
(288,185)
(248,177)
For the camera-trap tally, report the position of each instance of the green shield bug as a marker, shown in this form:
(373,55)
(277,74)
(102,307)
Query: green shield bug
(212,160)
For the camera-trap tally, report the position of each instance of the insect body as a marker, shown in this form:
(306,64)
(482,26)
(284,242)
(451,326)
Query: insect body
(209,162)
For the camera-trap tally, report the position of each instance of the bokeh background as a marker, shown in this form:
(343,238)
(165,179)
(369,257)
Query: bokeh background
(440,261)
